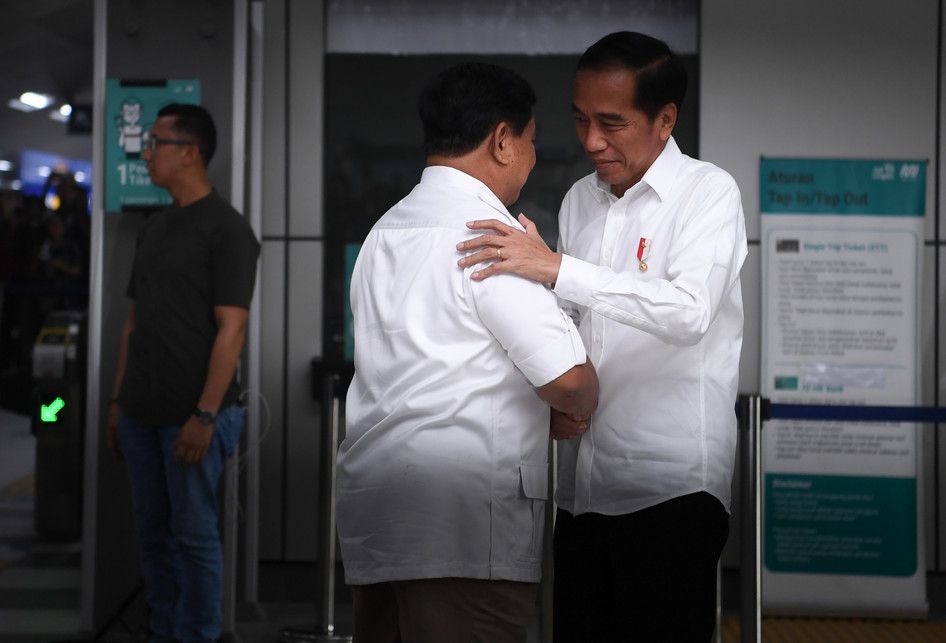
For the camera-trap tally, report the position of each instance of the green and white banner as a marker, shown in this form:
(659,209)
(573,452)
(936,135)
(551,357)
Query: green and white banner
(131,108)
(841,266)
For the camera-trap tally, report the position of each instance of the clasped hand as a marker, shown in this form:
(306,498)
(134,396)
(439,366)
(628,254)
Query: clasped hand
(567,427)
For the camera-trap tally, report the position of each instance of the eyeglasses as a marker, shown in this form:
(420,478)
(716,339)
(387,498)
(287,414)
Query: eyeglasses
(152,142)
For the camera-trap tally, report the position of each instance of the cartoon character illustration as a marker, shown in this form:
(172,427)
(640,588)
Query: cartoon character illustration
(130,131)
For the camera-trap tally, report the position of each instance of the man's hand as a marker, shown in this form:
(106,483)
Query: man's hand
(193,441)
(567,427)
(111,431)
(511,250)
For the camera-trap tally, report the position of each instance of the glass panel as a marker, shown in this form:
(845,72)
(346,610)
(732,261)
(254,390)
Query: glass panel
(374,148)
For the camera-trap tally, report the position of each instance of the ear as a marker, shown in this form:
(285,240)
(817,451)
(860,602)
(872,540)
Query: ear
(501,143)
(666,120)
(191,154)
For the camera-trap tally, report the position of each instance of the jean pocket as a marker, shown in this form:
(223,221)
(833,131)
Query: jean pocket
(228,427)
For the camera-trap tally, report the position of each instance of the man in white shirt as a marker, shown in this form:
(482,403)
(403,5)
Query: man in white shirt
(650,249)
(443,473)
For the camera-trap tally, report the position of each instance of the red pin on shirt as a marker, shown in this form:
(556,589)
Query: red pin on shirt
(643,252)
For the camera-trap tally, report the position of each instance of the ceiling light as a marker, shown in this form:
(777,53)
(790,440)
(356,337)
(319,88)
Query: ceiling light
(57,115)
(65,109)
(80,177)
(16,185)
(5,166)
(44,170)
(35,100)
(17,104)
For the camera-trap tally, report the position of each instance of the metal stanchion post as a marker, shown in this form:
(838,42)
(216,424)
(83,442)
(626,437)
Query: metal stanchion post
(750,424)
(331,421)
(548,574)
(327,553)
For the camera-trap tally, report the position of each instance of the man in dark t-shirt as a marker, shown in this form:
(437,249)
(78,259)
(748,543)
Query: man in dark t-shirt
(174,413)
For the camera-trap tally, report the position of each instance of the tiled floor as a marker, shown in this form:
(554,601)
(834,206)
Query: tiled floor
(39,581)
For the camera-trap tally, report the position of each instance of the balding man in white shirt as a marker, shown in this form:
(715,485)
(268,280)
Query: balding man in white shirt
(650,249)
(443,473)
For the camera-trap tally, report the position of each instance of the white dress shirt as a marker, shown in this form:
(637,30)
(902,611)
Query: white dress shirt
(665,341)
(444,467)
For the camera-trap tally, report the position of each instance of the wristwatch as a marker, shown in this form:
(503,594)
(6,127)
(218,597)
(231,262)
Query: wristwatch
(205,417)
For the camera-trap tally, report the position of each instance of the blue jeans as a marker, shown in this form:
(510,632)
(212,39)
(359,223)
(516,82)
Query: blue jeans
(176,518)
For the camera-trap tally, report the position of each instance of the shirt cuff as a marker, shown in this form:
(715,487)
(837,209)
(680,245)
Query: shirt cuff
(554,359)
(575,280)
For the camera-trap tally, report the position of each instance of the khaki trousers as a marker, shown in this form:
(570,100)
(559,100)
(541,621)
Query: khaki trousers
(443,610)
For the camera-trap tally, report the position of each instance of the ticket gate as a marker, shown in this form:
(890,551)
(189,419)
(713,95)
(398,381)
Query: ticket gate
(58,422)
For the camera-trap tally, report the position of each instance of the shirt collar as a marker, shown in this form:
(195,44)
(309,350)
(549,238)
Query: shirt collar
(463,182)
(661,173)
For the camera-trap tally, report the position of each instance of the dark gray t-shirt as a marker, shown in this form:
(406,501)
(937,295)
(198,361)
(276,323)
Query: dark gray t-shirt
(187,261)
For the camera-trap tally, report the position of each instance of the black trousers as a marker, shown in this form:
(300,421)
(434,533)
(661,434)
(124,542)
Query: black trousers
(647,576)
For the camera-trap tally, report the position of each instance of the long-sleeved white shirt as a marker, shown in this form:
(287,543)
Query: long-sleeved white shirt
(665,341)
(444,466)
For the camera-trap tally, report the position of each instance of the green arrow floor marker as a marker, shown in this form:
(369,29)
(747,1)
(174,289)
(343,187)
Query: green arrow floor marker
(48,413)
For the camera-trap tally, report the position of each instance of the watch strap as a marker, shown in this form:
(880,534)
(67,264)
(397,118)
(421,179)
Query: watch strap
(204,416)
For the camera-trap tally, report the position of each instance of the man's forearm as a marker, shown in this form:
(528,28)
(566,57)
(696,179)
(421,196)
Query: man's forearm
(223,360)
(574,393)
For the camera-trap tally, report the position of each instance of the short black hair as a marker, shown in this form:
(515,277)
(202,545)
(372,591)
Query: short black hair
(461,105)
(196,122)
(661,77)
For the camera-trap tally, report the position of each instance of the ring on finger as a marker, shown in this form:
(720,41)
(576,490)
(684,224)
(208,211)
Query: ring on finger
(499,252)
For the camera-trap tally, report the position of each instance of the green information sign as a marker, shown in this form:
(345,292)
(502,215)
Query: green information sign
(842,187)
(842,263)
(351,255)
(840,525)
(131,108)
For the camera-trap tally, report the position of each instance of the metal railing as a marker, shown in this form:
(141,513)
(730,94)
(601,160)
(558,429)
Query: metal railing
(753,411)
(331,380)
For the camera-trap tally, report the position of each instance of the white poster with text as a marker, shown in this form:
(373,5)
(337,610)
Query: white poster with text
(841,256)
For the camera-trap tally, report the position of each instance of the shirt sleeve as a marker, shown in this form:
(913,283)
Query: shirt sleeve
(703,265)
(525,319)
(235,251)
